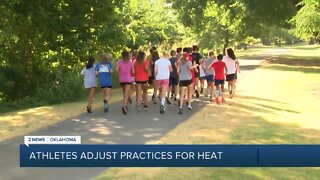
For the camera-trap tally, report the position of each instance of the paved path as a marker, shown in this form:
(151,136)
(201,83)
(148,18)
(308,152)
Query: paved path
(110,128)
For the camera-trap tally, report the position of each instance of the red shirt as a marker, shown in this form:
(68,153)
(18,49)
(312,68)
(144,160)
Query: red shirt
(189,58)
(219,67)
(141,74)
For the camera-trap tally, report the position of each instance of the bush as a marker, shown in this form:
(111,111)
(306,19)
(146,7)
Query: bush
(62,85)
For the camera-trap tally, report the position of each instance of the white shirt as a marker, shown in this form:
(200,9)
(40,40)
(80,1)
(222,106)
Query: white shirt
(163,66)
(202,74)
(231,64)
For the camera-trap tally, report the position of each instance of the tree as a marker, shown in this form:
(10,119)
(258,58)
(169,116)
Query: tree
(307,20)
(231,21)
(40,39)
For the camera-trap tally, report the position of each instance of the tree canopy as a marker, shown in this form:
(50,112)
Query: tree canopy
(43,44)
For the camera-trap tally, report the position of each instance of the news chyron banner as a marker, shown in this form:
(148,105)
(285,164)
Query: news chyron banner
(67,151)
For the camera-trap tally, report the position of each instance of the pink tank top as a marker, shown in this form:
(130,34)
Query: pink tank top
(125,71)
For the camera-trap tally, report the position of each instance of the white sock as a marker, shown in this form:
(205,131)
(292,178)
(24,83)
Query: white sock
(163,100)
(217,93)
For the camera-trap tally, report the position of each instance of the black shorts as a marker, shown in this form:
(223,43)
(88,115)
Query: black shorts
(209,79)
(125,83)
(150,81)
(197,74)
(185,83)
(236,76)
(218,82)
(230,77)
(173,81)
(202,78)
(102,87)
(142,82)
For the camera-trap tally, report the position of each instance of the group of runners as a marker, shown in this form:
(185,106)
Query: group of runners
(179,75)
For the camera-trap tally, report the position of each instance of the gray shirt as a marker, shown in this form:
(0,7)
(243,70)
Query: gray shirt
(90,79)
(184,71)
(207,63)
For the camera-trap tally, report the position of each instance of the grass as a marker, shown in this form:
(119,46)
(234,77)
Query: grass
(275,104)
(18,123)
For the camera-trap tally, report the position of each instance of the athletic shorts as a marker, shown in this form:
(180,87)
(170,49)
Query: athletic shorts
(230,77)
(173,81)
(236,76)
(218,82)
(162,83)
(102,87)
(210,79)
(196,74)
(185,83)
(150,81)
(125,83)
(142,82)
(202,78)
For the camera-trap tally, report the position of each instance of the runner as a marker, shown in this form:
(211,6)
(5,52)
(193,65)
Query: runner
(187,53)
(133,58)
(236,76)
(202,77)
(90,81)
(104,71)
(179,52)
(162,71)
(196,59)
(155,57)
(185,81)
(173,81)
(141,67)
(149,58)
(125,68)
(209,75)
(219,68)
(230,60)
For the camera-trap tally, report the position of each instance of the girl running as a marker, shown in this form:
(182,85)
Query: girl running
(219,68)
(162,71)
(202,77)
(173,81)
(155,57)
(125,69)
(104,71)
(140,70)
(185,81)
(209,74)
(196,59)
(230,60)
(90,81)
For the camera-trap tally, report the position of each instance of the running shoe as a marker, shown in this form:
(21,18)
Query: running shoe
(124,110)
(145,107)
(190,107)
(217,100)
(210,99)
(138,107)
(222,100)
(162,109)
(168,101)
(180,110)
(105,106)
(197,94)
(89,109)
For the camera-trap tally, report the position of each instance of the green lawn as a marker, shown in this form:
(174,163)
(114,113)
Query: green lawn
(276,103)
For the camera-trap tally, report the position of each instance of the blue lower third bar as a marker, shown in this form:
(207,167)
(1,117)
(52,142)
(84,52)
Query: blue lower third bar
(170,156)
